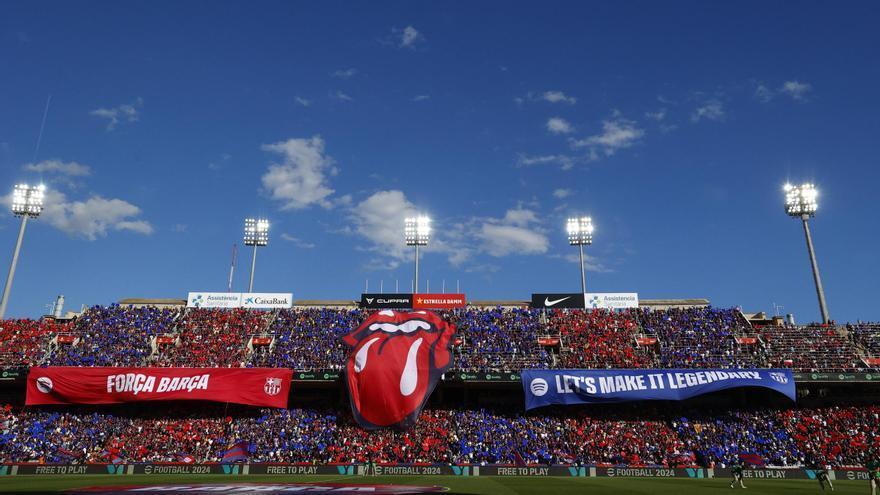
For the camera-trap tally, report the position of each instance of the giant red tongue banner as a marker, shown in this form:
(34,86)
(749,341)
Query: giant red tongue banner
(268,387)
(395,362)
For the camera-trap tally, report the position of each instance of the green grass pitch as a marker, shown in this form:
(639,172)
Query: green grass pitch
(457,485)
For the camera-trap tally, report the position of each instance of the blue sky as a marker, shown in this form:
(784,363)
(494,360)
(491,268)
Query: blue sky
(673,124)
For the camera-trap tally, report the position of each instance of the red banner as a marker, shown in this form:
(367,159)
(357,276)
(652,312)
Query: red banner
(438,301)
(268,387)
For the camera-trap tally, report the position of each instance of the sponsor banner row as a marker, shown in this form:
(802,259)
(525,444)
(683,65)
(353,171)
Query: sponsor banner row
(417,470)
(590,300)
(13,374)
(515,376)
(267,387)
(463,376)
(247,300)
(837,377)
(412,301)
(450,376)
(566,387)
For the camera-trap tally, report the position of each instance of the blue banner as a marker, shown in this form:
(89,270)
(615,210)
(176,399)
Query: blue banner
(546,387)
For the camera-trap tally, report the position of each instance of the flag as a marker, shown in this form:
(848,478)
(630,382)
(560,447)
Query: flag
(238,452)
(68,454)
(753,459)
(185,458)
(518,459)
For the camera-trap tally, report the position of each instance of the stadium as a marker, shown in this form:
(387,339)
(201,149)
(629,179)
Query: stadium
(476,248)
(473,425)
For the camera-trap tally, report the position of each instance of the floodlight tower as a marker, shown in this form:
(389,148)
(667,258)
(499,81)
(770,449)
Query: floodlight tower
(27,202)
(416,232)
(800,202)
(256,234)
(580,234)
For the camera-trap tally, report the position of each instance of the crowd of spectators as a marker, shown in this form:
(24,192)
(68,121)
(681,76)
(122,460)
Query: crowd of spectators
(701,338)
(810,348)
(841,436)
(309,338)
(111,336)
(866,335)
(209,338)
(495,339)
(487,339)
(720,437)
(599,339)
(23,342)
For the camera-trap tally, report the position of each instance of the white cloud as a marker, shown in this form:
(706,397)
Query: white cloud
(297,241)
(565,162)
(617,133)
(710,110)
(179,228)
(520,217)
(795,89)
(517,233)
(299,179)
(92,218)
(303,101)
(421,97)
(561,193)
(344,73)
(379,219)
(658,115)
(339,95)
(763,93)
(409,37)
(218,164)
(558,97)
(56,166)
(591,263)
(123,113)
(558,125)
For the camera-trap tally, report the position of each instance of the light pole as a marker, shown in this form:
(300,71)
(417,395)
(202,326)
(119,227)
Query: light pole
(256,234)
(416,232)
(580,234)
(800,202)
(27,202)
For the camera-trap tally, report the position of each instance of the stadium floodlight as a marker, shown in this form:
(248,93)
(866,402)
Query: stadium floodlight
(27,202)
(801,202)
(580,234)
(256,234)
(416,232)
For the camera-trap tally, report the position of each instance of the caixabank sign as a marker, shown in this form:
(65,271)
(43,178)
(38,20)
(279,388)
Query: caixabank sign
(247,300)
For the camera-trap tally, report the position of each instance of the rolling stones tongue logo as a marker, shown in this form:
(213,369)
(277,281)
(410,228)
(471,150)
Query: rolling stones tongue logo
(395,362)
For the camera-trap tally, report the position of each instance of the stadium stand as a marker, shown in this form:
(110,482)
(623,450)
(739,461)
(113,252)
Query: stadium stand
(487,340)
(810,348)
(494,339)
(866,335)
(304,339)
(109,336)
(701,338)
(636,437)
(600,339)
(24,342)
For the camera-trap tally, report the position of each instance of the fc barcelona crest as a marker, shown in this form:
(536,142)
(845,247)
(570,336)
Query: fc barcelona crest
(272,386)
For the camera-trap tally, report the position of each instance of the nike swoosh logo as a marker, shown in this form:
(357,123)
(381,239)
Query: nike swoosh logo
(548,302)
